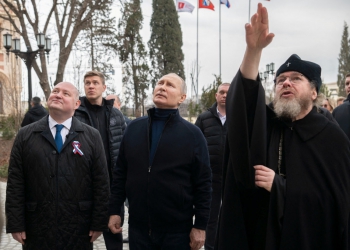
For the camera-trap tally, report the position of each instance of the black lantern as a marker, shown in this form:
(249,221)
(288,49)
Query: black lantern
(44,45)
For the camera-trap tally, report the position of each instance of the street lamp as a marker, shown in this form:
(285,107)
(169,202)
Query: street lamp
(270,70)
(44,44)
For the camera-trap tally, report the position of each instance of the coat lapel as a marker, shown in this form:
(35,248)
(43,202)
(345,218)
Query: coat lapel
(75,129)
(44,129)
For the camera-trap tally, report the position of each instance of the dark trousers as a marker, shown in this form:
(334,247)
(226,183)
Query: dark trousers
(144,239)
(113,241)
(214,213)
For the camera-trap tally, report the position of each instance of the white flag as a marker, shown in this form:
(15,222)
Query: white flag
(184,6)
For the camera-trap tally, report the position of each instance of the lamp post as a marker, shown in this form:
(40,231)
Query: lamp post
(44,45)
(270,70)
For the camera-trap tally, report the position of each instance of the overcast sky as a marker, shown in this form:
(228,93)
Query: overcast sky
(310,28)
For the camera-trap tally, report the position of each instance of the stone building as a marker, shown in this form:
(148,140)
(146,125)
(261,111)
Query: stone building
(10,74)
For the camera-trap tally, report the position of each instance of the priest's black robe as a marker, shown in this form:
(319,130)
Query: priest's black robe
(309,209)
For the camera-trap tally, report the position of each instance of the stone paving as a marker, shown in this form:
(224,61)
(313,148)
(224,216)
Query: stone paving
(8,243)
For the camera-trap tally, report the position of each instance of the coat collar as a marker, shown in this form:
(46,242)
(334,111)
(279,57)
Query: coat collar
(175,115)
(83,99)
(42,126)
(308,127)
(213,110)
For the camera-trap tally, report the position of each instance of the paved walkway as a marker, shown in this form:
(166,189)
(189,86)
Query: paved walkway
(8,243)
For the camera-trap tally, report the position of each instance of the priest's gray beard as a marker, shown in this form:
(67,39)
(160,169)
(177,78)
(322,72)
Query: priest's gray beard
(285,108)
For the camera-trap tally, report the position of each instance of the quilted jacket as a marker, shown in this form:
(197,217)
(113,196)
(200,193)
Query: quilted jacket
(215,134)
(57,198)
(116,126)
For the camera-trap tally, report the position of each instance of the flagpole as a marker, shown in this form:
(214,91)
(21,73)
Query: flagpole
(249,13)
(219,38)
(197,54)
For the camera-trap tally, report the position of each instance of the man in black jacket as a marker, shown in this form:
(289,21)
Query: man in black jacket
(163,169)
(117,105)
(57,190)
(213,126)
(342,113)
(99,113)
(35,113)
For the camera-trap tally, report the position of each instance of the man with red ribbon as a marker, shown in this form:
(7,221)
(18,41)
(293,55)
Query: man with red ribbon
(57,196)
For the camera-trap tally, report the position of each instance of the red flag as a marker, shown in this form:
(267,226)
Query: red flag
(205,4)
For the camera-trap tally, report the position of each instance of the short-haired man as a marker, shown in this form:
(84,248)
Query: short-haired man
(35,113)
(287,177)
(57,189)
(342,113)
(212,123)
(163,169)
(340,100)
(117,105)
(99,113)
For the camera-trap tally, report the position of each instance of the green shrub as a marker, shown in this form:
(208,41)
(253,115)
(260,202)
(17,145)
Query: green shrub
(4,171)
(7,126)
(8,133)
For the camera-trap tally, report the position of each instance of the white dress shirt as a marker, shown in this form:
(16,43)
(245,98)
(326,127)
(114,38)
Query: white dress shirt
(65,130)
(222,117)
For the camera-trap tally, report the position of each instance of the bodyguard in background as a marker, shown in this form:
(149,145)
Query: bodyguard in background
(99,113)
(213,126)
(35,113)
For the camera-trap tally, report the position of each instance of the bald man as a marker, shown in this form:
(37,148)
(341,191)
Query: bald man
(117,105)
(58,184)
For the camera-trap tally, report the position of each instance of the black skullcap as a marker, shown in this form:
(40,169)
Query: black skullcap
(311,70)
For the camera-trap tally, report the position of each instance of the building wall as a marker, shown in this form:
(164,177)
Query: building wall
(10,74)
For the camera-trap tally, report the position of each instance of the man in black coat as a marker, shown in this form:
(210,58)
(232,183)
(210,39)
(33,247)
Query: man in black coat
(57,190)
(286,173)
(342,113)
(163,169)
(212,123)
(117,105)
(99,113)
(35,113)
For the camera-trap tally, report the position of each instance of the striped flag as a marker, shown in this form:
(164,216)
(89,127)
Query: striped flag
(206,4)
(184,6)
(227,3)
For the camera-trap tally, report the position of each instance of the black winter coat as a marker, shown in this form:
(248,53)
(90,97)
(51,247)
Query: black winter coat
(115,126)
(57,198)
(215,134)
(34,114)
(342,115)
(166,195)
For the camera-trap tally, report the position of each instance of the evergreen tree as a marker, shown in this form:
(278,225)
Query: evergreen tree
(193,110)
(98,37)
(208,94)
(132,54)
(325,91)
(166,41)
(344,61)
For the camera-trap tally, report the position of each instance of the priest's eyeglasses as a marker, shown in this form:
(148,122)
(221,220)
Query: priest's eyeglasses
(294,78)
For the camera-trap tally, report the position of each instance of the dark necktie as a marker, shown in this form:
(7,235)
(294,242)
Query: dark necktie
(58,137)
